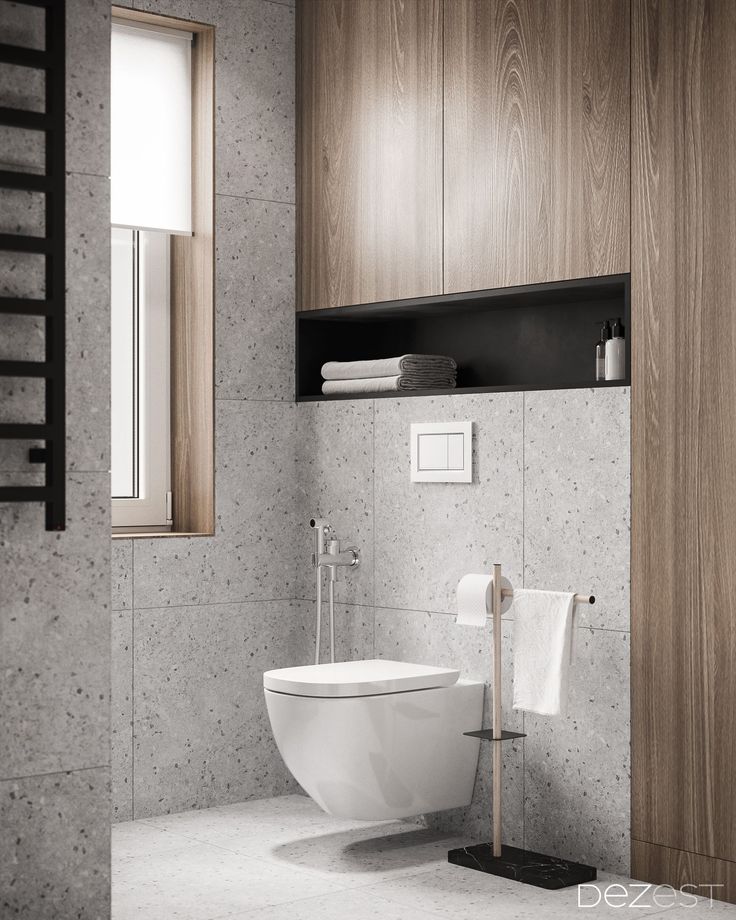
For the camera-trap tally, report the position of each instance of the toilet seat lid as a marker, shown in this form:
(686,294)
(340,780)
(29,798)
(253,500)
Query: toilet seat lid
(358,678)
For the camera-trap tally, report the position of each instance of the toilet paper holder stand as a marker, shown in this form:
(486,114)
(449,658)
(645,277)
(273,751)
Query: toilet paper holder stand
(513,862)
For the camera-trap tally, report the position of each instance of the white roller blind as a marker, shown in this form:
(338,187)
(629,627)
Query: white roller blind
(151,128)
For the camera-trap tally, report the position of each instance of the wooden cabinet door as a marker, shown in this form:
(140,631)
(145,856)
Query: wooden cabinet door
(536,141)
(369,151)
(683,561)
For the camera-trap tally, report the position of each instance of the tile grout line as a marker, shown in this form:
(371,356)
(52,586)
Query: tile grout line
(132,680)
(443,613)
(233,603)
(22,776)
(252,399)
(523,583)
(373,528)
(290,204)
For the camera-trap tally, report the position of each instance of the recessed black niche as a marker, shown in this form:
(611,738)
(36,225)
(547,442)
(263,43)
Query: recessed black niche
(539,336)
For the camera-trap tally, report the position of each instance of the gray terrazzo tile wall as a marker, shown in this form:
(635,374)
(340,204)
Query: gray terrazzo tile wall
(550,501)
(55,587)
(198,620)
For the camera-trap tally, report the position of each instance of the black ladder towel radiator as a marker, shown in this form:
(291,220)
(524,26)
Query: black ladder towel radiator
(52,183)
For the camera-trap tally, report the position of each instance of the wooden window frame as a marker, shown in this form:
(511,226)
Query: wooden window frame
(192,307)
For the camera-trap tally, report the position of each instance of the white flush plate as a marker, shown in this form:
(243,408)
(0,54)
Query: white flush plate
(442,452)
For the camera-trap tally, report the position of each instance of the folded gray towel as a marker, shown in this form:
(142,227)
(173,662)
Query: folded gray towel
(430,365)
(386,384)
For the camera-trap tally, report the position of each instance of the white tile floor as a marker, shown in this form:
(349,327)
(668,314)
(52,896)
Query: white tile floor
(284,859)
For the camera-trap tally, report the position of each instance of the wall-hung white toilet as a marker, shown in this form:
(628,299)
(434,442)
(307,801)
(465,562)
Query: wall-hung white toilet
(377,739)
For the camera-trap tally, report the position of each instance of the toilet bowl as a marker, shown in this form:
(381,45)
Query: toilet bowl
(377,739)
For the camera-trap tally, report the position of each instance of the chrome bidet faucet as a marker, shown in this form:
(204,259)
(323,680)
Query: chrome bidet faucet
(328,555)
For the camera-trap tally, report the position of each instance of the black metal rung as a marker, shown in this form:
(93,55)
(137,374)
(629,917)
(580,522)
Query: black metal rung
(25,369)
(41,3)
(25,493)
(11,431)
(24,57)
(25,306)
(17,242)
(22,118)
(31,182)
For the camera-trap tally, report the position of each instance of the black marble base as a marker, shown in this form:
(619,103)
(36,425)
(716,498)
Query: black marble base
(523,866)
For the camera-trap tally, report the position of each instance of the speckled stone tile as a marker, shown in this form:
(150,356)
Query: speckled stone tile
(202,882)
(122,574)
(21,149)
(435,639)
(202,735)
(577,768)
(251,555)
(353,631)
(361,855)
(23,339)
(88,323)
(21,87)
(250,828)
(88,87)
(21,274)
(56,841)
(357,904)
(577,498)
(254,75)
(21,211)
(255,299)
(142,841)
(22,25)
(88,335)
(335,482)
(121,715)
(453,891)
(55,633)
(428,535)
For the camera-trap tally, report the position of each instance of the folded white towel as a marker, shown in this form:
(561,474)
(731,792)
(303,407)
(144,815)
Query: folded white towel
(386,384)
(543,633)
(389,367)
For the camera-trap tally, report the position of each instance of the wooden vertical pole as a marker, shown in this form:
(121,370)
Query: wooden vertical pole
(497,712)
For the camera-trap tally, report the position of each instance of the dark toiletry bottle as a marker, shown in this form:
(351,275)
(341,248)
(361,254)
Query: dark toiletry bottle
(600,352)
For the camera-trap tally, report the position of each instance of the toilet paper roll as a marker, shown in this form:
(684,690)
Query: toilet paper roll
(474,599)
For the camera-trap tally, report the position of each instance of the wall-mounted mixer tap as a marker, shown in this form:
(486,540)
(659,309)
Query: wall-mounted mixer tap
(327,554)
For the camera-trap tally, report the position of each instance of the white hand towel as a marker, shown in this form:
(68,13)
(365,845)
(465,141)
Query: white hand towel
(543,633)
(435,365)
(386,384)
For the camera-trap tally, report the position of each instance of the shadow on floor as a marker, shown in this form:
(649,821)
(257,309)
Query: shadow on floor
(364,851)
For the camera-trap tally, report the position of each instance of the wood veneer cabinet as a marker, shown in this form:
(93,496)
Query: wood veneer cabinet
(536,141)
(683,289)
(369,151)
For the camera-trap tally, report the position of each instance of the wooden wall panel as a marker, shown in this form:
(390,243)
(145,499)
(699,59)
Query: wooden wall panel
(369,151)
(684,427)
(536,141)
(715,878)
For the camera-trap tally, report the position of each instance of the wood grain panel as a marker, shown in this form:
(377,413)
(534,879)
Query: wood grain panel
(684,426)
(193,317)
(536,141)
(369,151)
(703,875)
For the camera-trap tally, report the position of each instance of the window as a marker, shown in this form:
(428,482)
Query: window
(141,462)
(162,247)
